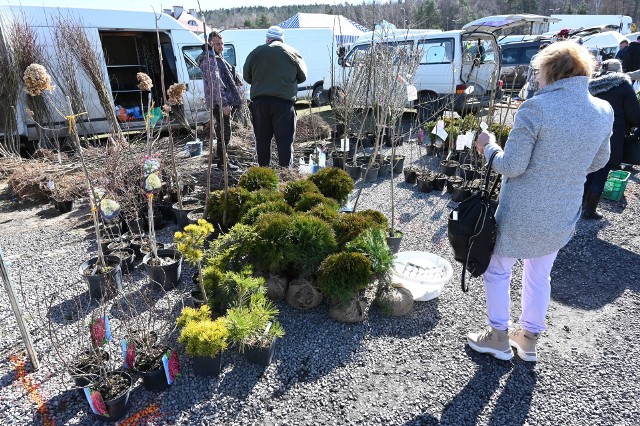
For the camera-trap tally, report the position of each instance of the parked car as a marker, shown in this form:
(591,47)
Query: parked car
(514,66)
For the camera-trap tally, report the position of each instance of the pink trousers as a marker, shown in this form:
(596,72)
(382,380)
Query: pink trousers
(536,291)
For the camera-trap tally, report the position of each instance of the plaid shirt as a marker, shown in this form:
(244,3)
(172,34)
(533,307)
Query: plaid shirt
(219,81)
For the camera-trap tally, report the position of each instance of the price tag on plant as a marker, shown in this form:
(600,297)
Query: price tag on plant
(171,365)
(96,402)
(412,93)
(128,353)
(100,330)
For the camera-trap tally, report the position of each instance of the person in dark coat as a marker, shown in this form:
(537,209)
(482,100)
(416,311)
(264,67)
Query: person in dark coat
(623,54)
(614,87)
(222,92)
(633,56)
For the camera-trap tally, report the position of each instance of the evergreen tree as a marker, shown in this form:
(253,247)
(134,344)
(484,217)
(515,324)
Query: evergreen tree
(427,15)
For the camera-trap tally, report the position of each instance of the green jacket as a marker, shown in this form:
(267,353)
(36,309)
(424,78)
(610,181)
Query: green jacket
(274,69)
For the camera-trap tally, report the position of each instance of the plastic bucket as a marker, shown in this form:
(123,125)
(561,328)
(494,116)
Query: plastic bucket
(424,274)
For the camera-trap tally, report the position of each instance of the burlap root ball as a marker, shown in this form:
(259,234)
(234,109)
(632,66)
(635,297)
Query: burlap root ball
(396,301)
(302,294)
(276,287)
(352,311)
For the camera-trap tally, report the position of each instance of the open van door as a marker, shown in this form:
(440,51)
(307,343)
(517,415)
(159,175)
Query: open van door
(480,69)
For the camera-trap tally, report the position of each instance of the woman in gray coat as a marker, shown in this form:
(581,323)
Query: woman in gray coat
(559,136)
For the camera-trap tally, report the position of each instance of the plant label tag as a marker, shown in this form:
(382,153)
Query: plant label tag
(454,215)
(100,331)
(171,365)
(344,144)
(412,93)
(484,126)
(96,402)
(461,142)
(128,353)
(51,185)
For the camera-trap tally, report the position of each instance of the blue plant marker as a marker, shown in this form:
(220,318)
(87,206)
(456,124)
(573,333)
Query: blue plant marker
(107,325)
(123,345)
(165,364)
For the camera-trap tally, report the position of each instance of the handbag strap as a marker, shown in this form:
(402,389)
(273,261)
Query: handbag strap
(487,177)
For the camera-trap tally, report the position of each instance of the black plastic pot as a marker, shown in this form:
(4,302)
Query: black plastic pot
(353,169)
(410,176)
(64,206)
(261,355)
(430,149)
(338,160)
(439,182)
(103,285)
(181,213)
(449,167)
(155,381)
(460,194)
(468,172)
(425,184)
(145,249)
(117,245)
(196,214)
(117,407)
(372,174)
(398,164)
(198,299)
(82,374)
(394,242)
(385,169)
(127,259)
(207,366)
(453,182)
(166,276)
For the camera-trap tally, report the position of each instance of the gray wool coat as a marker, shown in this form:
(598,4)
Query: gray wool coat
(558,137)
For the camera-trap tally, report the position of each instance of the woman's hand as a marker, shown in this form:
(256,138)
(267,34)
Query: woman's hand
(483,140)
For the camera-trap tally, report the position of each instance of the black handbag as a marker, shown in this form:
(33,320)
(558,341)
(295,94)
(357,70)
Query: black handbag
(472,229)
(631,148)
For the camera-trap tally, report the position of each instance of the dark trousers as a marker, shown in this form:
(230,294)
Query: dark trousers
(596,180)
(273,117)
(226,123)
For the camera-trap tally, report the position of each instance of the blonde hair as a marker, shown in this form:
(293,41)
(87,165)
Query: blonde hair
(564,59)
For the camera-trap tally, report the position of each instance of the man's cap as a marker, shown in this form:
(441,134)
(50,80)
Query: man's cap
(275,33)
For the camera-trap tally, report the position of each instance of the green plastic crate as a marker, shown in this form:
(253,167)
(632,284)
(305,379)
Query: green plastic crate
(615,185)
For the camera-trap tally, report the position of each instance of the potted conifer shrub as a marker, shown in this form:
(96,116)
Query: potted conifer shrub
(204,339)
(341,278)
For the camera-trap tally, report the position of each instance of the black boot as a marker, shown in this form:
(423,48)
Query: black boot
(590,205)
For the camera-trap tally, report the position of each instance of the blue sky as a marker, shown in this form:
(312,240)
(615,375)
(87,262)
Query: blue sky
(145,5)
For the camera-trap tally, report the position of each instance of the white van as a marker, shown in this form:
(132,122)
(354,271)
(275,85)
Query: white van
(125,43)
(315,45)
(458,69)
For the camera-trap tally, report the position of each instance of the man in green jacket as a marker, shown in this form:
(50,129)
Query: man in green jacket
(274,71)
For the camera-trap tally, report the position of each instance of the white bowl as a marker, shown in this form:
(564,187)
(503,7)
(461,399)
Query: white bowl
(424,274)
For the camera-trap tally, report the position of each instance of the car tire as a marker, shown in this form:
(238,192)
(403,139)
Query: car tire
(319,96)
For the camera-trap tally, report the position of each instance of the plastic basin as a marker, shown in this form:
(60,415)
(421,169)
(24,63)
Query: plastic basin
(424,274)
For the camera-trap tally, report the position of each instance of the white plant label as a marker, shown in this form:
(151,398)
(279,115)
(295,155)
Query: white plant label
(484,126)
(412,93)
(51,185)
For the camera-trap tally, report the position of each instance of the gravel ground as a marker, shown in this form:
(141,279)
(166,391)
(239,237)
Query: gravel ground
(413,370)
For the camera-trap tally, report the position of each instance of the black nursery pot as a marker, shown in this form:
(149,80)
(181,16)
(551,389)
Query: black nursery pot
(453,182)
(166,276)
(117,407)
(410,176)
(83,373)
(398,164)
(261,355)
(64,206)
(155,381)
(425,184)
(449,167)
(103,285)
(439,182)
(394,242)
(353,169)
(207,366)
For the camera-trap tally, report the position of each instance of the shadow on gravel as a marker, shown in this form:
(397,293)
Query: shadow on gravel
(590,273)
(63,407)
(513,403)
(70,310)
(423,318)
